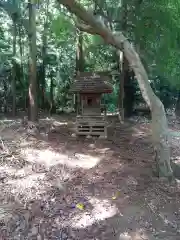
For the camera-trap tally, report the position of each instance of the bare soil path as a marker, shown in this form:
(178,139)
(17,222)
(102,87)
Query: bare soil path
(54,186)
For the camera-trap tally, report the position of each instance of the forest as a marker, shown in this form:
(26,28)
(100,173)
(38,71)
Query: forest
(56,184)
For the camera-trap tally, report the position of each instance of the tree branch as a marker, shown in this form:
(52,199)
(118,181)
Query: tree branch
(159,120)
(118,41)
(89,19)
(85,28)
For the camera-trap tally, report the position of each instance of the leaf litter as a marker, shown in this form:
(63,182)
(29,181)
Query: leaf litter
(55,186)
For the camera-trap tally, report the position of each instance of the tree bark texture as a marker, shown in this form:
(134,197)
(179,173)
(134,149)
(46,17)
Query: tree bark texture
(79,64)
(79,53)
(14,68)
(43,70)
(123,68)
(123,64)
(21,49)
(33,105)
(44,62)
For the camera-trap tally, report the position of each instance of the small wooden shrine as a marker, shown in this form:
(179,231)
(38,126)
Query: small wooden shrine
(91,114)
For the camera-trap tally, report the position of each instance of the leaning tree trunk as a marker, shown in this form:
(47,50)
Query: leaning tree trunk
(33,106)
(119,41)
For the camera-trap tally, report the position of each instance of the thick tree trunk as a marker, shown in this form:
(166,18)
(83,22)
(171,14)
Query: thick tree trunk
(14,69)
(159,121)
(33,106)
(161,139)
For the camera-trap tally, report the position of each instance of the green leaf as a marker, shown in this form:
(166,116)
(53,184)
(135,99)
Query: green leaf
(62,27)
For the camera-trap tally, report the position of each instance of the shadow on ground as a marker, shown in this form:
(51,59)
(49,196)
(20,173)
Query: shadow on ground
(112,181)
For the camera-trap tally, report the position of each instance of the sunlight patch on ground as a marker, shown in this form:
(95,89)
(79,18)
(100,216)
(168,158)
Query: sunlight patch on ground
(137,235)
(10,171)
(29,187)
(140,235)
(53,121)
(25,184)
(177,160)
(102,209)
(51,158)
(5,120)
(57,123)
(138,132)
(125,236)
(103,150)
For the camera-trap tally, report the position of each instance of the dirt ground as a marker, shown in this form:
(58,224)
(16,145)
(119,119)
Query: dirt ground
(54,186)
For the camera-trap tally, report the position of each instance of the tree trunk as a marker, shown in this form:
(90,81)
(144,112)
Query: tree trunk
(121,87)
(14,69)
(177,110)
(79,64)
(123,64)
(6,96)
(159,121)
(44,48)
(33,108)
(52,108)
(129,94)
(123,68)
(43,70)
(79,53)
(21,49)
